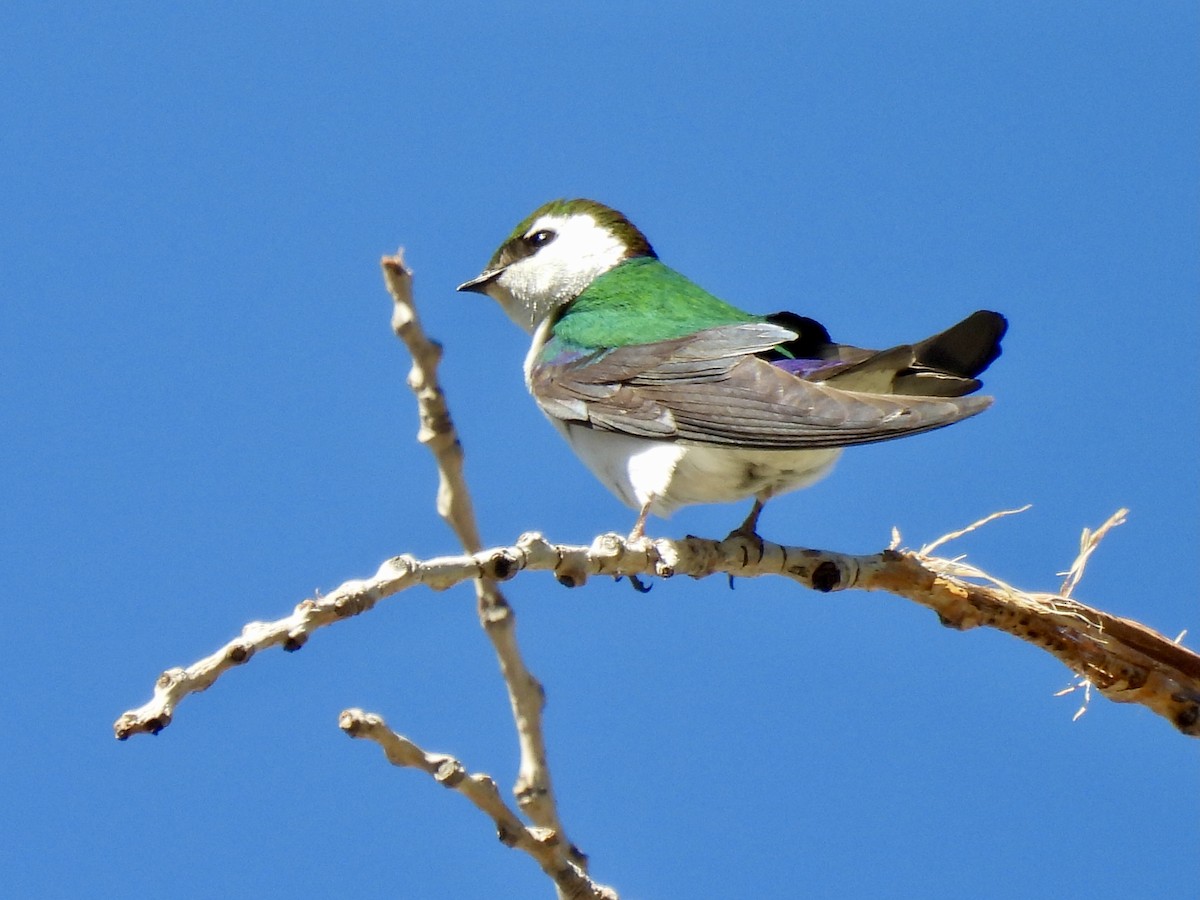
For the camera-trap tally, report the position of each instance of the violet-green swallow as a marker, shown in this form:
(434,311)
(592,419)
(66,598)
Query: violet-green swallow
(672,396)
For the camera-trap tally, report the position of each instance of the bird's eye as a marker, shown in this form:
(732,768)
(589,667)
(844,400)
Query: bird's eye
(540,239)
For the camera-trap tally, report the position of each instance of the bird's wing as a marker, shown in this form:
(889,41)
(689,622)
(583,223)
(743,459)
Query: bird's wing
(711,388)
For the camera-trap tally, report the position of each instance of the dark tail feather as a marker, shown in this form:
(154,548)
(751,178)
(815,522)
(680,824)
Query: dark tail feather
(964,349)
(946,364)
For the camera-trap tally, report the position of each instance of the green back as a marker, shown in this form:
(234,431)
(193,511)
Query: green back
(641,301)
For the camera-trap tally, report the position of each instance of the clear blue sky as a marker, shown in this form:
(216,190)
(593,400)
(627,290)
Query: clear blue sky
(205,419)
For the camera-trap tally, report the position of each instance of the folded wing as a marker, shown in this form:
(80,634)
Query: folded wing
(712,387)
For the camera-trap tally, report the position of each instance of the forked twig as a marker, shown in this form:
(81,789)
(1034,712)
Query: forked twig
(534,789)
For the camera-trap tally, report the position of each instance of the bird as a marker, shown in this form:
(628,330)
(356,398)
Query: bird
(673,397)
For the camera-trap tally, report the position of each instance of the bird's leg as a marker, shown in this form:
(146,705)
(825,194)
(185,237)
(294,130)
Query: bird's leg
(636,537)
(639,527)
(749,528)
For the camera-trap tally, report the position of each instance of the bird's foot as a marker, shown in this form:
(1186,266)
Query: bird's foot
(637,540)
(747,533)
(637,584)
(749,528)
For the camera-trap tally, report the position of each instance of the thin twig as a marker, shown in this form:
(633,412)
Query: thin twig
(928,549)
(545,845)
(534,789)
(1088,542)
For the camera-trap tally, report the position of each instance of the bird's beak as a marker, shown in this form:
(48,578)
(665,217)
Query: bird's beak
(479,284)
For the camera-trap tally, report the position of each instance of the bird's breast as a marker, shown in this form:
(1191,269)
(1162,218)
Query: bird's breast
(671,474)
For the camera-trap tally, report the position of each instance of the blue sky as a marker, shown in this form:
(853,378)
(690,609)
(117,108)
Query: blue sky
(205,419)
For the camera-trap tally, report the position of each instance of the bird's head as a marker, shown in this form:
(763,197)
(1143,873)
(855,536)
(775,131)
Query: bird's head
(553,255)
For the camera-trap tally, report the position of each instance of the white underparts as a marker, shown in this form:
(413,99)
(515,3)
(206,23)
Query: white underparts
(669,475)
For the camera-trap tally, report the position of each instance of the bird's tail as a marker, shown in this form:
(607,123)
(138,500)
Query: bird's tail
(945,365)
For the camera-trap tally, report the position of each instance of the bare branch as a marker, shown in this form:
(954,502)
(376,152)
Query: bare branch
(437,430)
(1122,659)
(545,845)
(1126,661)
(534,789)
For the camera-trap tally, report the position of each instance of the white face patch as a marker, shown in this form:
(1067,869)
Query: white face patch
(532,288)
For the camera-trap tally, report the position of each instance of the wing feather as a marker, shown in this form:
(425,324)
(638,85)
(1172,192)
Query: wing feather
(711,388)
